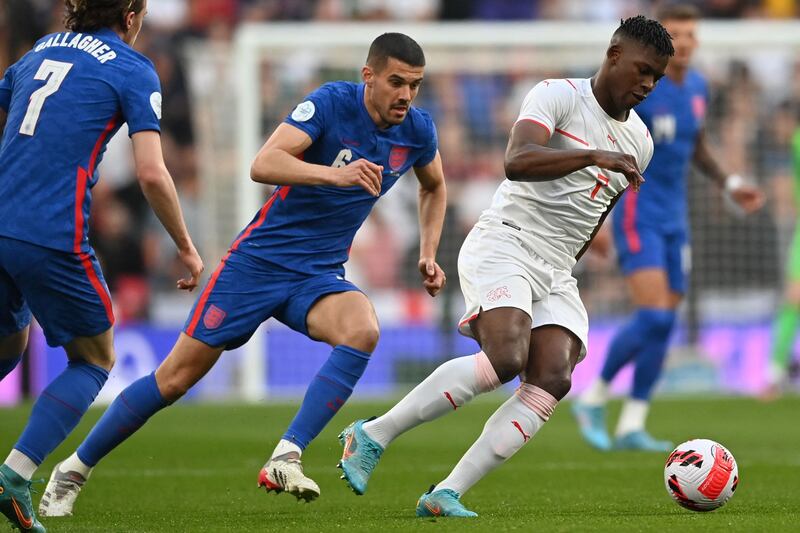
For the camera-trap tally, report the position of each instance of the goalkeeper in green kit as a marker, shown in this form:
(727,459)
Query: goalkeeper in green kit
(788,319)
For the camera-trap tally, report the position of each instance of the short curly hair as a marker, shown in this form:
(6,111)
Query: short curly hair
(92,15)
(648,32)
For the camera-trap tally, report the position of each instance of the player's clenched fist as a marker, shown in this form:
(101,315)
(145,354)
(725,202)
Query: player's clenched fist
(433,278)
(192,261)
(619,162)
(360,172)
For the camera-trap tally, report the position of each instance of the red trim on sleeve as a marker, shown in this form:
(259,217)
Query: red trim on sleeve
(537,123)
(573,85)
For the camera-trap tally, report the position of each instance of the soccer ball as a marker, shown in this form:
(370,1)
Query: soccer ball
(701,475)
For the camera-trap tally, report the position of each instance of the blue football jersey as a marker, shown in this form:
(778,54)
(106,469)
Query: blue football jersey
(674,114)
(309,229)
(65,99)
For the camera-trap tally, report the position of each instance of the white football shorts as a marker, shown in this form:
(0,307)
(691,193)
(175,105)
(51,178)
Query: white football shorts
(497,269)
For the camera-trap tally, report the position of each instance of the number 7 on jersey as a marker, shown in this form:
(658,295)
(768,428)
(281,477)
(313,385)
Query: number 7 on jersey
(54,72)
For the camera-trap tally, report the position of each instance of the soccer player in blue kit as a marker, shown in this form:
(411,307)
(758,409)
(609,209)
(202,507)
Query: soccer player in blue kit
(62,102)
(651,236)
(340,149)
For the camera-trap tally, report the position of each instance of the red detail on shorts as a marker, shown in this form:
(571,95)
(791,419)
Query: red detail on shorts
(500,292)
(98,286)
(262,215)
(537,123)
(525,436)
(719,474)
(213,317)
(571,136)
(573,85)
(450,399)
(629,223)
(468,320)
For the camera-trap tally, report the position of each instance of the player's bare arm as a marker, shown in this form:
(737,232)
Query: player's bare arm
(159,190)
(747,196)
(432,207)
(598,228)
(3,117)
(528,158)
(277,163)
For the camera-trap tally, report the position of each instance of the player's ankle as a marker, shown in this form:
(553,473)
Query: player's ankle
(73,463)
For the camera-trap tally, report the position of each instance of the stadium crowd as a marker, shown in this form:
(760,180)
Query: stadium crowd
(751,118)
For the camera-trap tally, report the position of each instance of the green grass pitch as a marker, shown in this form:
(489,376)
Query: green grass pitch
(194,467)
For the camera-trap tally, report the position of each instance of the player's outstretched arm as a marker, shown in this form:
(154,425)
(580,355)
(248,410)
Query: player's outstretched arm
(748,197)
(159,190)
(528,158)
(277,163)
(432,207)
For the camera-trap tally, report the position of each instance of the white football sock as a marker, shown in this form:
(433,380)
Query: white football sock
(633,416)
(506,431)
(21,464)
(284,447)
(596,394)
(450,386)
(73,463)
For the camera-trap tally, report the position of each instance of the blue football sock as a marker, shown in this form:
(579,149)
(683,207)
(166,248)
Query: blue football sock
(126,414)
(624,346)
(59,408)
(650,358)
(326,393)
(7,365)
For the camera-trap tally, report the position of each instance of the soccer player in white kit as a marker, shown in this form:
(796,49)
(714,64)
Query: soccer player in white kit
(574,149)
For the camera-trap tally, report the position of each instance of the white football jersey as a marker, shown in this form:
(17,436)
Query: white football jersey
(557,217)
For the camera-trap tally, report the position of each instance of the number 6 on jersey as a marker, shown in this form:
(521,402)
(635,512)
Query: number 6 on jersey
(54,72)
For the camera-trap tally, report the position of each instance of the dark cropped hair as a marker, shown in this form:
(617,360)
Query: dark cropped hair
(92,15)
(648,32)
(398,46)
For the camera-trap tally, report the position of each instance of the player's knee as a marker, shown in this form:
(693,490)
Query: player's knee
(363,337)
(104,360)
(173,388)
(508,359)
(555,379)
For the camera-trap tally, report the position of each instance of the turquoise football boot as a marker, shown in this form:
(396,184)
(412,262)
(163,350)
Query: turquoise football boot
(643,441)
(15,501)
(359,457)
(444,502)
(592,423)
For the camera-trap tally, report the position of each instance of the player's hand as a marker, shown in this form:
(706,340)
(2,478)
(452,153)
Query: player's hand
(748,197)
(623,163)
(433,278)
(360,172)
(192,261)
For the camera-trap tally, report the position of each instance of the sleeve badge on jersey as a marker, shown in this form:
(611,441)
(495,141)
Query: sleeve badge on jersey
(304,111)
(398,156)
(155,103)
